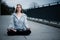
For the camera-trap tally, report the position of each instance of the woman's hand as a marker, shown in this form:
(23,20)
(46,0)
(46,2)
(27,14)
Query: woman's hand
(28,28)
(14,30)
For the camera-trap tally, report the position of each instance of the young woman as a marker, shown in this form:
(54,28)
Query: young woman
(18,21)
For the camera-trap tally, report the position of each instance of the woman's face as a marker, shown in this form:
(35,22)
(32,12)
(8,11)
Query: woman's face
(18,8)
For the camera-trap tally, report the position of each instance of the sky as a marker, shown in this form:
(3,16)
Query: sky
(27,3)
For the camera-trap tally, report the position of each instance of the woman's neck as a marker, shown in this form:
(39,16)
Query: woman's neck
(18,12)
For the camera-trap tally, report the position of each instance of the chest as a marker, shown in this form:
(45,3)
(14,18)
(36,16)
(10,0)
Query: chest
(19,19)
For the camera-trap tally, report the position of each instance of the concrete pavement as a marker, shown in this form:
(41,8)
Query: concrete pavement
(39,31)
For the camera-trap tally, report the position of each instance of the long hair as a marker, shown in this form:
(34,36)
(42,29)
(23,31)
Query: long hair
(21,8)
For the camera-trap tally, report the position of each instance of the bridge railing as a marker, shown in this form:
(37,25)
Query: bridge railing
(54,23)
(50,4)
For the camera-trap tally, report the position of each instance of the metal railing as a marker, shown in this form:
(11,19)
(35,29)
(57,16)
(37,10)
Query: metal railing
(50,4)
(45,21)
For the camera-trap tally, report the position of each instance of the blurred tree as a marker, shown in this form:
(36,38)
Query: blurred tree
(5,9)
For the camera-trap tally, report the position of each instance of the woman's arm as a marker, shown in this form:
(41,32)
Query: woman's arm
(11,25)
(26,22)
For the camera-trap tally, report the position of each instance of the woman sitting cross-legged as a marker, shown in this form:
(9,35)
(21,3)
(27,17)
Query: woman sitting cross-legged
(18,23)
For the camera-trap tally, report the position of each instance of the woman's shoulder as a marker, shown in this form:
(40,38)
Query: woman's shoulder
(13,14)
(24,14)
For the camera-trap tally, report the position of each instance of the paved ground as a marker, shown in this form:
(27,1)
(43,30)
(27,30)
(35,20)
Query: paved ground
(39,31)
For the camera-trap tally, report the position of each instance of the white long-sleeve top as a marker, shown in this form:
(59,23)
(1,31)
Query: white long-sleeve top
(18,23)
